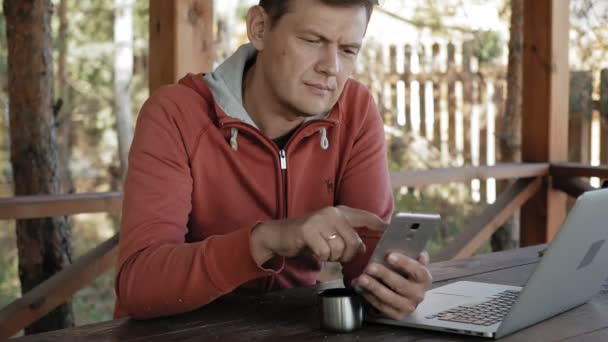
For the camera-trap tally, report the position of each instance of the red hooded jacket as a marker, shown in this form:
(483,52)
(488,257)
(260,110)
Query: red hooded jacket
(199,180)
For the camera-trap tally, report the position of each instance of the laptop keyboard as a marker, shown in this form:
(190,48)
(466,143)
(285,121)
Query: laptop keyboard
(485,313)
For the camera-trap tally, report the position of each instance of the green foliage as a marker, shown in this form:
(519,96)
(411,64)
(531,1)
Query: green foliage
(589,35)
(242,10)
(430,15)
(90,77)
(487,46)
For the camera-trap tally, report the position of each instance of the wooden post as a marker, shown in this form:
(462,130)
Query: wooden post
(422,89)
(392,59)
(392,71)
(580,110)
(467,99)
(452,100)
(435,72)
(604,117)
(545,110)
(181,39)
(44,245)
(482,100)
(407,81)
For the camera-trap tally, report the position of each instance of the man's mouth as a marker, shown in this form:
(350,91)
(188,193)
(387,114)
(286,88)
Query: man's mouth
(320,88)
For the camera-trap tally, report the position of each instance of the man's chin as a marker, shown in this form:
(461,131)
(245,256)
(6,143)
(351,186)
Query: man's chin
(312,111)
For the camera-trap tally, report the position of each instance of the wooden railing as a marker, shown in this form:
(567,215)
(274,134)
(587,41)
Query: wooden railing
(29,207)
(64,284)
(38,302)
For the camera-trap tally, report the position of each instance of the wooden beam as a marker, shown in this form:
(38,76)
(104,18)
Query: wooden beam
(603,108)
(181,39)
(545,110)
(574,187)
(578,170)
(29,207)
(466,174)
(55,290)
(482,227)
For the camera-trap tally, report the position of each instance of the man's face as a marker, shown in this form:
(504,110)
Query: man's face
(310,53)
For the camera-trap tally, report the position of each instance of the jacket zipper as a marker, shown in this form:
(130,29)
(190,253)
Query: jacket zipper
(282,155)
(269,282)
(283,159)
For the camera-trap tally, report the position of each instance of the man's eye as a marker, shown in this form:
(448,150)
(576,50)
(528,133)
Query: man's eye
(312,41)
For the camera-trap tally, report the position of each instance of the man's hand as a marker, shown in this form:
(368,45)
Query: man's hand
(328,234)
(396,293)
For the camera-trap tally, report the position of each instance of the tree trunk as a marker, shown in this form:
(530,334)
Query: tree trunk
(123,72)
(508,130)
(44,244)
(65,135)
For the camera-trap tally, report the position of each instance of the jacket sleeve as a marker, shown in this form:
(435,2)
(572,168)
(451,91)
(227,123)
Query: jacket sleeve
(366,183)
(159,273)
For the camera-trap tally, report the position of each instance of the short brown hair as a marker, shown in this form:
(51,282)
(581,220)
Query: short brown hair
(277,8)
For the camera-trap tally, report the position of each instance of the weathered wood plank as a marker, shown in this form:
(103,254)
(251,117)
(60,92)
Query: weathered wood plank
(482,227)
(577,170)
(54,291)
(26,207)
(181,39)
(598,335)
(545,110)
(291,315)
(250,317)
(466,174)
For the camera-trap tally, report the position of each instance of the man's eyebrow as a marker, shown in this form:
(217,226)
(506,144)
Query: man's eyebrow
(353,45)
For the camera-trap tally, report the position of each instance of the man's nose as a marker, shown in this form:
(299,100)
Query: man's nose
(329,62)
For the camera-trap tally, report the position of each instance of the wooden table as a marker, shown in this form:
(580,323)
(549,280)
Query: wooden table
(291,315)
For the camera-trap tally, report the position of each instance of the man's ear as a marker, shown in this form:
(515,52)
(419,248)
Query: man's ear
(258,22)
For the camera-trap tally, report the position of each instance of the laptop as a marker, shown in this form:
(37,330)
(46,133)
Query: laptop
(573,267)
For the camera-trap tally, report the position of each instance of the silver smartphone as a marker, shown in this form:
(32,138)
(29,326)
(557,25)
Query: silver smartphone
(408,234)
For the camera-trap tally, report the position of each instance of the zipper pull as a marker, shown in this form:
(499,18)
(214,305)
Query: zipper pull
(283,157)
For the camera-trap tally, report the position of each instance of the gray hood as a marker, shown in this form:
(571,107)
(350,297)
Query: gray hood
(226,83)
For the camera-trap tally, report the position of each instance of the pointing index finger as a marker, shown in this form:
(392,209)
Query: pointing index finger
(362,218)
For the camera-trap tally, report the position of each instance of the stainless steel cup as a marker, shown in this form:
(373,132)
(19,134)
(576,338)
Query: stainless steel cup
(340,310)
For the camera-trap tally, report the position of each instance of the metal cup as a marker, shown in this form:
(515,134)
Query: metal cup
(340,310)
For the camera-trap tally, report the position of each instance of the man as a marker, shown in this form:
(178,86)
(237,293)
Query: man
(251,176)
